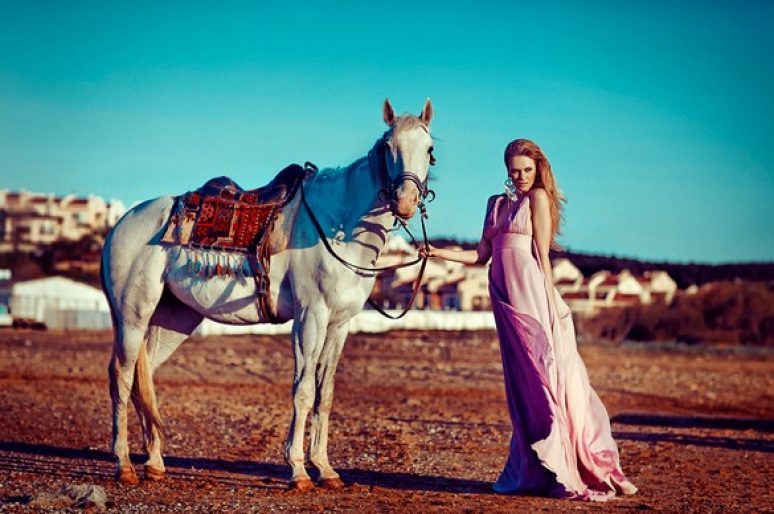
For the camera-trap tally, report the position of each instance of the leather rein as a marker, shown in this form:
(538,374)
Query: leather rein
(387,194)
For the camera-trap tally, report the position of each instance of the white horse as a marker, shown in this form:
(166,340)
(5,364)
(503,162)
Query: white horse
(157,303)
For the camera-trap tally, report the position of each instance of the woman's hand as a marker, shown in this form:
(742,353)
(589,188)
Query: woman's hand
(427,251)
(448,254)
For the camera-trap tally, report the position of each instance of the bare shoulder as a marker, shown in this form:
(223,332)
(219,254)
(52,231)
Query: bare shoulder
(538,195)
(538,199)
(539,204)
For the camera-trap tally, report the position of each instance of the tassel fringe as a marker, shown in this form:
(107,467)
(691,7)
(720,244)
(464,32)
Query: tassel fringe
(209,263)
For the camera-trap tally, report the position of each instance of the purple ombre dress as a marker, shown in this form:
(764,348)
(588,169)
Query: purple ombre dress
(561,443)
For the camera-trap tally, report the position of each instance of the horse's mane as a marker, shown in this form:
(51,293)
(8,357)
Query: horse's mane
(408,121)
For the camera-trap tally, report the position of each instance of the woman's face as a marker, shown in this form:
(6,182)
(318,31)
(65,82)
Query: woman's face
(522,171)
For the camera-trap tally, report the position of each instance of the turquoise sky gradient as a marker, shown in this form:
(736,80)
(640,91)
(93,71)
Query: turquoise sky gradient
(658,117)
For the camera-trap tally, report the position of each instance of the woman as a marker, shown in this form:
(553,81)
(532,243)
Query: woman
(561,443)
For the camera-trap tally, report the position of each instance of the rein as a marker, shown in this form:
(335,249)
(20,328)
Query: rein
(359,269)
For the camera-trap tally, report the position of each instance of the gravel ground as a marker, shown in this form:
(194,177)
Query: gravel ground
(419,424)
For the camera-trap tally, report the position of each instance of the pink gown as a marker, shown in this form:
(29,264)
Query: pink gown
(561,443)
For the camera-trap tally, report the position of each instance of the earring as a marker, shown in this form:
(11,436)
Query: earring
(510,189)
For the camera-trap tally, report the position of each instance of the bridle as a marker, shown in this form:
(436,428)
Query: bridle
(377,158)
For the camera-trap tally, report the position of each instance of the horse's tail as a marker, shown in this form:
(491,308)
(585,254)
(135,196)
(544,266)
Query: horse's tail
(144,394)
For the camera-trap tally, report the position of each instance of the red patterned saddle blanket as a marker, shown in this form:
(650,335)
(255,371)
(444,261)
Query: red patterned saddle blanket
(220,218)
(220,215)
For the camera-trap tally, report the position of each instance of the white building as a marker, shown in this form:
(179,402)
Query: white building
(60,303)
(29,219)
(452,286)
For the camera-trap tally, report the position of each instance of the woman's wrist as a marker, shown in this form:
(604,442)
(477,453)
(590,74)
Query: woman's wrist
(428,252)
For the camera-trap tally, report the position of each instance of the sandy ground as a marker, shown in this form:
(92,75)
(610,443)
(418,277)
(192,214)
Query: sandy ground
(419,424)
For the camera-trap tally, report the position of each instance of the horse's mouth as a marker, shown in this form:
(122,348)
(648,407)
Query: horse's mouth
(404,217)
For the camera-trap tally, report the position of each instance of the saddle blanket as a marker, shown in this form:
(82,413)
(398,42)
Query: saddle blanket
(228,221)
(225,230)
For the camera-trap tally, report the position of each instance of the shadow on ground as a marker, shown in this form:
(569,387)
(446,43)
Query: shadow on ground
(180,467)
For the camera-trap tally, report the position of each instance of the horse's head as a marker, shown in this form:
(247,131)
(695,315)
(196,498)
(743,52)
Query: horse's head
(408,153)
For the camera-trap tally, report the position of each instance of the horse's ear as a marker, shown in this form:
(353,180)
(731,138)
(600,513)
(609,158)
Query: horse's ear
(427,113)
(388,113)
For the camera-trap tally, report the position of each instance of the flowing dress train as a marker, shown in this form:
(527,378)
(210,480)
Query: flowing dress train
(561,443)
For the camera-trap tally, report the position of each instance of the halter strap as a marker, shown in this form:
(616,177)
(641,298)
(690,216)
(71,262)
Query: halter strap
(378,159)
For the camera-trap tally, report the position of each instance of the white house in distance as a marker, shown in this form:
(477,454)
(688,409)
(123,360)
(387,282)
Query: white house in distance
(566,275)
(661,286)
(445,285)
(453,286)
(605,289)
(474,289)
(30,219)
(466,289)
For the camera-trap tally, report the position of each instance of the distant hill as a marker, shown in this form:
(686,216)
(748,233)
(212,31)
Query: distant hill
(684,274)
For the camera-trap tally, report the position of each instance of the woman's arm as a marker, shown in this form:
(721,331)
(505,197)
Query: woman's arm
(542,233)
(480,255)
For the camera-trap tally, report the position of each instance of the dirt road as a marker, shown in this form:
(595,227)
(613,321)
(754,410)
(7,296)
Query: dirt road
(419,424)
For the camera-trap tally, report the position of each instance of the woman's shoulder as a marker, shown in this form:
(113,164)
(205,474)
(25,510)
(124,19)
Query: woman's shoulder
(538,194)
(538,199)
(539,202)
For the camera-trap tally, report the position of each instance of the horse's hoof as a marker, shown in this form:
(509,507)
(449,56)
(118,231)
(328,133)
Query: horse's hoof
(127,476)
(153,474)
(301,486)
(332,483)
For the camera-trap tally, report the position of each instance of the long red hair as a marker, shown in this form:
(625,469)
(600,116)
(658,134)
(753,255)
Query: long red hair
(544,178)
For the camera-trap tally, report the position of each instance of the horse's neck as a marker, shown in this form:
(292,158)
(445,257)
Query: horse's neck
(346,202)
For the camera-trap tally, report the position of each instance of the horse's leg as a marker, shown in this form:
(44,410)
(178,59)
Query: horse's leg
(172,323)
(326,370)
(128,349)
(308,337)
(133,299)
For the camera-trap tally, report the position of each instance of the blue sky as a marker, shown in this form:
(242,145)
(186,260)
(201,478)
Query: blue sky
(657,116)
